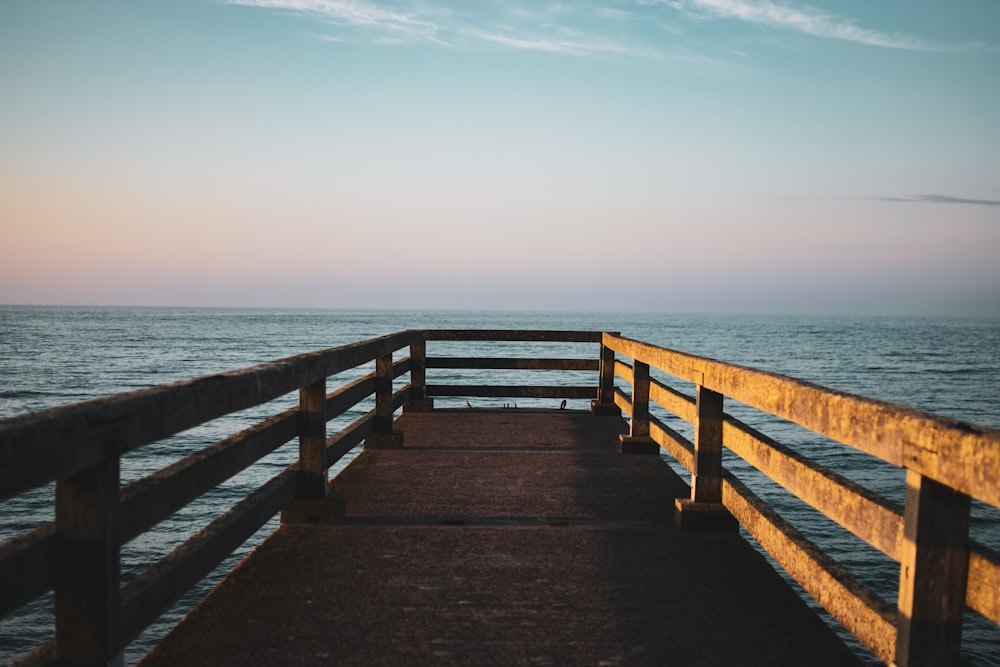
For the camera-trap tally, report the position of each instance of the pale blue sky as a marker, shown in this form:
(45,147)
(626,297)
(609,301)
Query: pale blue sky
(690,155)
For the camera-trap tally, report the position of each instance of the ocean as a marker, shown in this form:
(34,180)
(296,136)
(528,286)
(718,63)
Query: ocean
(52,356)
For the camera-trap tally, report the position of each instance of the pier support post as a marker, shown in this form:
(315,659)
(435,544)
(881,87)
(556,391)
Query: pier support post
(418,379)
(88,567)
(933,574)
(312,503)
(605,404)
(638,441)
(311,482)
(383,436)
(704,510)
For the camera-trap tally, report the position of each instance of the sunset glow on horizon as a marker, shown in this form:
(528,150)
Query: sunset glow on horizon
(688,155)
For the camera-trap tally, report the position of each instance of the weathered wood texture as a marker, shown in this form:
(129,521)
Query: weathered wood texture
(152,592)
(706,478)
(511,391)
(639,422)
(418,370)
(88,567)
(515,363)
(934,568)
(960,455)
(348,438)
(152,499)
(939,572)
(505,335)
(866,514)
(311,483)
(39,448)
(984,582)
(79,446)
(867,616)
(26,564)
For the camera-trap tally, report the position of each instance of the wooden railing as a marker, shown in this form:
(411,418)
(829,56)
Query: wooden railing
(79,448)
(947,463)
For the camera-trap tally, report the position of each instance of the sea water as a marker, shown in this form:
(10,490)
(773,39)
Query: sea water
(53,356)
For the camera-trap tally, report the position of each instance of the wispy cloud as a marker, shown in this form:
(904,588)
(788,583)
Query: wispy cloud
(941,199)
(359,13)
(551,27)
(628,28)
(576,47)
(804,19)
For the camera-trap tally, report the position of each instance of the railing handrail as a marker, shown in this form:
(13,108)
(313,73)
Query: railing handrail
(79,447)
(948,462)
(958,454)
(39,448)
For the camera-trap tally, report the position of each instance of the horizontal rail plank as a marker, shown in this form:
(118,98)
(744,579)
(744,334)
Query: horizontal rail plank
(505,335)
(958,454)
(49,445)
(26,566)
(149,594)
(674,401)
(676,444)
(401,367)
(623,401)
(514,363)
(346,397)
(152,499)
(348,438)
(867,616)
(401,396)
(983,592)
(511,391)
(624,371)
(861,511)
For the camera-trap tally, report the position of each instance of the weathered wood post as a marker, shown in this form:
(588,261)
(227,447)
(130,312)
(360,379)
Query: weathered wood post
(312,503)
(418,401)
(88,567)
(933,574)
(704,509)
(382,435)
(605,403)
(638,441)
(311,482)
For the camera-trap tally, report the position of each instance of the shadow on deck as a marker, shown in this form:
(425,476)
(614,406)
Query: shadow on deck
(503,537)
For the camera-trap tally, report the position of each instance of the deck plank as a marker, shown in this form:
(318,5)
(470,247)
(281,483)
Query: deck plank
(504,538)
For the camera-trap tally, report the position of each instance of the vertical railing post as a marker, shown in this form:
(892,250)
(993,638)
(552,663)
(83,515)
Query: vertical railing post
(605,403)
(706,479)
(313,503)
(383,436)
(704,509)
(933,574)
(311,483)
(418,401)
(88,567)
(638,441)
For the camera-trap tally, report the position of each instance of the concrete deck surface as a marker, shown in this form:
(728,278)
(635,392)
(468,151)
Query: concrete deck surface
(504,537)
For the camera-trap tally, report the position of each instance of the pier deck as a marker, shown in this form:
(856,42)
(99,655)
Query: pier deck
(503,537)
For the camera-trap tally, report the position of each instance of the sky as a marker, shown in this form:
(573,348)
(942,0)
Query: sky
(616,155)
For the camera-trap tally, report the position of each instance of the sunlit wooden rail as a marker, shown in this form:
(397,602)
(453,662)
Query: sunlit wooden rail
(79,448)
(947,462)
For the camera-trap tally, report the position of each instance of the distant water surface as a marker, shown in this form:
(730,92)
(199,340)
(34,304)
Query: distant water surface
(52,356)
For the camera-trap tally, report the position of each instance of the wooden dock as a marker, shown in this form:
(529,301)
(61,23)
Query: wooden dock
(500,536)
(505,537)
